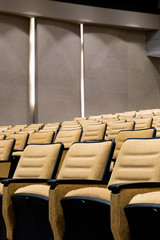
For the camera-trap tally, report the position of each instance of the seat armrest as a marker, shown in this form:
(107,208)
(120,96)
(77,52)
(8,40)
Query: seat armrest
(116,188)
(6,182)
(55,182)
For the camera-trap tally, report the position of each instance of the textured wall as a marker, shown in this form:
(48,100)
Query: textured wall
(13,69)
(58,72)
(118,74)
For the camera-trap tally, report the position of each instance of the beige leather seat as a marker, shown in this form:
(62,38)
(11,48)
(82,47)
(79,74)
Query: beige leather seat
(137,162)
(37,164)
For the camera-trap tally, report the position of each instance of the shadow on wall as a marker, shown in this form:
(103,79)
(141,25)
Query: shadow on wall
(156,63)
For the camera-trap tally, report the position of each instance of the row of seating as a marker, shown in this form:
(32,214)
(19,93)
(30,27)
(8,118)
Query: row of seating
(79,202)
(76,203)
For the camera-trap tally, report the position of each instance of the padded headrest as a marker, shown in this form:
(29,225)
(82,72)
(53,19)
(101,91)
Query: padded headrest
(123,135)
(68,137)
(115,128)
(20,141)
(86,161)
(41,137)
(6,147)
(93,133)
(138,161)
(38,161)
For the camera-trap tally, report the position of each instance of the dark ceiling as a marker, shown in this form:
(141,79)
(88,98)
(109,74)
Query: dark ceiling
(149,6)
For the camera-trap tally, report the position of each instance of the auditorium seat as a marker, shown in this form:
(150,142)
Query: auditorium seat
(84,123)
(156,111)
(116,127)
(8,133)
(143,123)
(83,161)
(125,134)
(67,137)
(40,125)
(109,122)
(79,119)
(94,133)
(97,117)
(143,178)
(20,144)
(41,138)
(137,161)
(85,164)
(143,215)
(2,136)
(37,164)
(32,128)
(157,126)
(6,149)
(155,118)
(35,138)
(110,116)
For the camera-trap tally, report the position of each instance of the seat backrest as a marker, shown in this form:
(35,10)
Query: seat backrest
(6,148)
(55,124)
(69,123)
(95,117)
(154,122)
(79,119)
(156,112)
(31,128)
(138,161)
(2,136)
(124,134)
(87,161)
(93,133)
(143,123)
(41,138)
(40,125)
(20,140)
(39,161)
(68,137)
(109,116)
(115,128)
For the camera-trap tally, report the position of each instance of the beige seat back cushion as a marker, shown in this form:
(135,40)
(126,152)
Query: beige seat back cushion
(143,123)
(123,135)
(93,133)
(37,161)
(68,137)
(85,161)
(137,161)
(42,137)
(5,149)
(20,141)
(115,128)
(2,136)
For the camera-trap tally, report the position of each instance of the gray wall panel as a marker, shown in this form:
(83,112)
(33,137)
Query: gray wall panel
(14,52)
(58,75)
(118,74)
(106,86)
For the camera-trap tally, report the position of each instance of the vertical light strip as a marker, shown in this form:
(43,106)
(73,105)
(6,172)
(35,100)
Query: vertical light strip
(32,69)
(82,72)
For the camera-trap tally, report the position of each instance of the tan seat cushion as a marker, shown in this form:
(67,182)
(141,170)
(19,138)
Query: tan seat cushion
(35,189)
(102,193)
(151,197)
